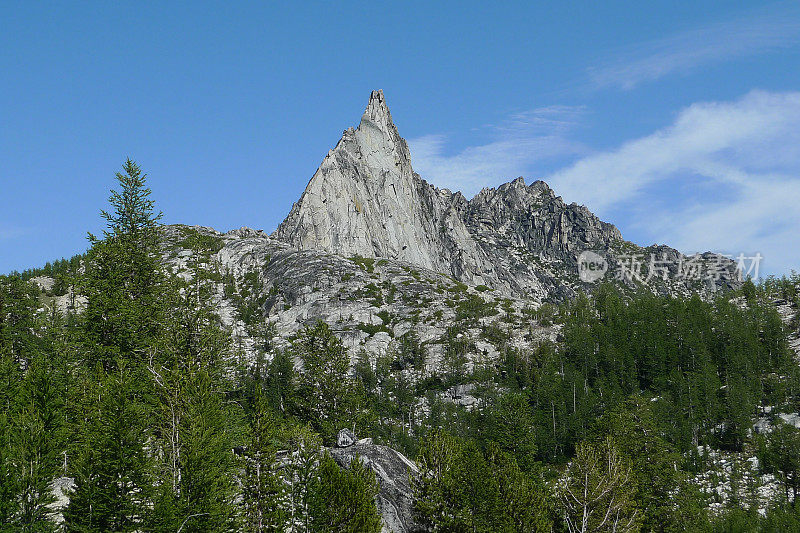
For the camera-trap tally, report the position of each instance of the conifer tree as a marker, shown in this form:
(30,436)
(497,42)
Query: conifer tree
(110,477)
(596,491)
(262,489)
(193,427)
(325,382)
(124,274)
(343,500)
(35,437)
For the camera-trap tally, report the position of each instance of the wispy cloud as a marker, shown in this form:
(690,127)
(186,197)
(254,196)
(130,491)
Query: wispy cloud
(777,27)
(723,176)
(514,146)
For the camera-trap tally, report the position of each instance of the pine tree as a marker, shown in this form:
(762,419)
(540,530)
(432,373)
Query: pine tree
(261,487)
(281,383)
(298,475)
(193,426)
(461,488)
(596,491)
(324,381)
(18,305)
(511,427)
(654,475)
(35,438)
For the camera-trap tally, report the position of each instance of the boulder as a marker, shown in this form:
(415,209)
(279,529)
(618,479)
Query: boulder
(345,438)
(393,471)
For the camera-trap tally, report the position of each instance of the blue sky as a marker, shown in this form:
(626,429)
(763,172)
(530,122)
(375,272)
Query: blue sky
(677,121)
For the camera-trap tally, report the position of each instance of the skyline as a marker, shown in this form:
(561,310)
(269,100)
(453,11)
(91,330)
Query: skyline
(679,129)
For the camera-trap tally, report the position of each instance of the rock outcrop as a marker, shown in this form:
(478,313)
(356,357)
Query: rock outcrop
(365,199)
(393,470)
(345,438)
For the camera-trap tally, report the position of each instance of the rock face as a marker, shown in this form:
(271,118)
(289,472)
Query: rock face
(365,199)
(370,304)
(393,471)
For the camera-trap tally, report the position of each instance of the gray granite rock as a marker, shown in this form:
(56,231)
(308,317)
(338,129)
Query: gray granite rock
(345,438)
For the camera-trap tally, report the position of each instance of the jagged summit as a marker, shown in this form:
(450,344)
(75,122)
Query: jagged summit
(377,114)
(365,199)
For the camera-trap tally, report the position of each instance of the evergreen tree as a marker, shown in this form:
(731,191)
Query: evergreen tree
(343,500)
(510,425)
(298,477)
(124,275)
(782,458)
(35,437)
(261,486)
(194,428)
(596,491)
(281,383)
(325,382)
(655,479)
(459,488)
(18,305)
(110,478)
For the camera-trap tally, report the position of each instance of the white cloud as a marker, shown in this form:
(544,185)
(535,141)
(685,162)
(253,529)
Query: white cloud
(515,145)
(743,155)
(724,176)
(776,27)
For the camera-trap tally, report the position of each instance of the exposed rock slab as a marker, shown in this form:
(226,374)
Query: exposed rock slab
(393,471)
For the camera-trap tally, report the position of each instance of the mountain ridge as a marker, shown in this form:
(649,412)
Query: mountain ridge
(365,199)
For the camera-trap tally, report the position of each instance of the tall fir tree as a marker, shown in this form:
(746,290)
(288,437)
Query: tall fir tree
(124,275)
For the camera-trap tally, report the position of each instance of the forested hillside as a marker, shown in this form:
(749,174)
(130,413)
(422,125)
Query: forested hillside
(129,404)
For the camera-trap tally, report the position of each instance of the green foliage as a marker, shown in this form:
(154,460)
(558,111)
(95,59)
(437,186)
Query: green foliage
(372,329)
(147,402)
(596,492)
(365,263)
(343,500)
(781,457)
(197,483)
(655,477)
(460,488)
(261,487)
(204,243)
(111,469)
(30,435)
(701,358)
(325,384)
(510,424)
(249,300)
(18,304)
(473,307)
(124,275)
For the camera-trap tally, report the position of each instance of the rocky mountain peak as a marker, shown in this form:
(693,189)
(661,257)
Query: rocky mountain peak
(377,114)
(366,200)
